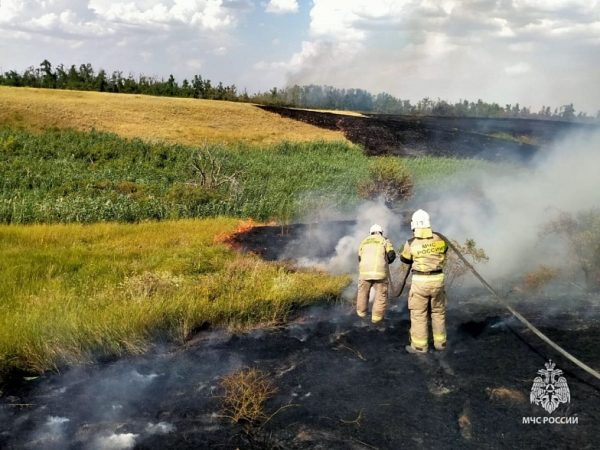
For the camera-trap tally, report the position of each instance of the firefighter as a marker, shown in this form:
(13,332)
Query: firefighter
(425,254)
(374,255)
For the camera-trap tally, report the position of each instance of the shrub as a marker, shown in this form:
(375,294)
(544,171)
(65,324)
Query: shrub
(455,268)
(535,280)
(581,233)
(388,178)
(245,394)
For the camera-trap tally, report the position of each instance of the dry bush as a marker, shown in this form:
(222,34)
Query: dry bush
(388,178)
(536,279)
(581,233)
(207,170)
(245,394)
(455,268)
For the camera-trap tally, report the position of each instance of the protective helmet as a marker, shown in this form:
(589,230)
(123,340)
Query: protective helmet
(420,219)
(376,229)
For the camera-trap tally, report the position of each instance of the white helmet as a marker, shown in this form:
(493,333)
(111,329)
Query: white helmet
(420,219)
(376,229)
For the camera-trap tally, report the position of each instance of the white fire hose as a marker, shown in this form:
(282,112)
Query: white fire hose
(515,313)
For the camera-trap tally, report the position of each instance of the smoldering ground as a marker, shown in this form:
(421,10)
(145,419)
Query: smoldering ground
(341,383)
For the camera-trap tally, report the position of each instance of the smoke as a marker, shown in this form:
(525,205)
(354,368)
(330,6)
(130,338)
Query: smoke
(506,211)
(114,441)
(52,434)
(503,208)
(344,240)
(125,404)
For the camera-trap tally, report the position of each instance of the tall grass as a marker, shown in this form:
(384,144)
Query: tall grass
(69,176)
(70,293)
(431,172)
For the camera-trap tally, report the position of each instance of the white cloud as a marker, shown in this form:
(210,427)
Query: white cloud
(282,6)
(204,14)
(455,49)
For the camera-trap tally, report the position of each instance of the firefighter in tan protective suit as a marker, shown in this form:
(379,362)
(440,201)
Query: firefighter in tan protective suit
(374,255)
(425,254)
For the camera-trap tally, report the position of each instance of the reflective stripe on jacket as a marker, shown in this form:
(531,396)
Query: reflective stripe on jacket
(426,255)
(373,263)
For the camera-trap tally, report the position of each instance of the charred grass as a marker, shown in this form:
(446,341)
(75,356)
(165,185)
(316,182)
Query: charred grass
(73,293)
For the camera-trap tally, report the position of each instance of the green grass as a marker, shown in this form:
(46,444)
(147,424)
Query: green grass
(432,172)
(69,176)
(71,293)
(86,177)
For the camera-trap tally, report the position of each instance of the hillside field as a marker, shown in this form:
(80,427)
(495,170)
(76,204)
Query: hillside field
(175,120)
(77,282)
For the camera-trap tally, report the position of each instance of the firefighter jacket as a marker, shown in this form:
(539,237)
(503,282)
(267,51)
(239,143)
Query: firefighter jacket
(426,252)
(374,255)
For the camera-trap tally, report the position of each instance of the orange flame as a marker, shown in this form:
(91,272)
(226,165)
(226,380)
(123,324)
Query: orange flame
(243,227)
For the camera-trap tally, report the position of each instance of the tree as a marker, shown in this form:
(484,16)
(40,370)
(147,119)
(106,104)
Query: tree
(48,77)
(567,112)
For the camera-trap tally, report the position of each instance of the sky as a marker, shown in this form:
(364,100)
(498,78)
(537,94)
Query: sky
(531,52)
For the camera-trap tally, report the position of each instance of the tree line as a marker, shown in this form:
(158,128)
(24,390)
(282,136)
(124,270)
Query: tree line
(86,78)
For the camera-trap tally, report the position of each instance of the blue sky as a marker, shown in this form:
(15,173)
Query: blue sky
(529,51)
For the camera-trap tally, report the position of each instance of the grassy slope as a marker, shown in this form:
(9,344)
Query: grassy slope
(69,293)
(68,176)
(73,292)
(184,121)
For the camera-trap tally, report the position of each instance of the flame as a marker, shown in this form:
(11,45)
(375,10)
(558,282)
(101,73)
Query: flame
(244,226)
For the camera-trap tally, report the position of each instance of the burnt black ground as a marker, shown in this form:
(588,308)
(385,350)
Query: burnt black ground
(439,136)
(343,383)
(348,384)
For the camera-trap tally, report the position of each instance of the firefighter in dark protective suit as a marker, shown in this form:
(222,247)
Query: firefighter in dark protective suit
(425,254)
(374,255)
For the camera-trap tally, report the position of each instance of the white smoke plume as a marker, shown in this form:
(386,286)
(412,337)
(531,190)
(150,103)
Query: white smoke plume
(506,212)
(52,434)
(326,235)
(160,428)
(114,441)
(503,211)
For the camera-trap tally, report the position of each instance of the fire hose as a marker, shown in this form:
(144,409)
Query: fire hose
(514,312)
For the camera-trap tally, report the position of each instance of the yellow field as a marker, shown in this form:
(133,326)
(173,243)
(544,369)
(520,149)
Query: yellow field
(69,293)
(178,120)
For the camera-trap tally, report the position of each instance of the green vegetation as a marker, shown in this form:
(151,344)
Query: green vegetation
(431,171)
(515,138)
(389,178)
(69,176)
(71,293)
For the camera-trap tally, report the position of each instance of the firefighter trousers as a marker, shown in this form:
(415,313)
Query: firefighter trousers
(425,298)
(379,303)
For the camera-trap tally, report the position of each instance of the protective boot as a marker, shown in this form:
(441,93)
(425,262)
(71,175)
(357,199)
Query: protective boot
(415,350)
(440,347)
